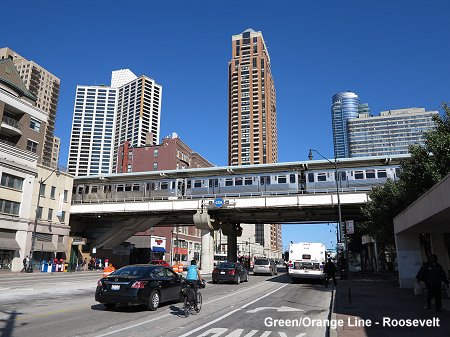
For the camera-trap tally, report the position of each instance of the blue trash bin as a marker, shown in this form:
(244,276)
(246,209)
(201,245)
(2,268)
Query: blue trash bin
(53,267)
(44,266)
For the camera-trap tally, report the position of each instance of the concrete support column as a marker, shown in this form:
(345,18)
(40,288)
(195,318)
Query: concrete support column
(409,258)
(232,248)
(207,253)
(438,248)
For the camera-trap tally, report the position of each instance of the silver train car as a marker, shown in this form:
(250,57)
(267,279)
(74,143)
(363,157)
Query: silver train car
(310,181)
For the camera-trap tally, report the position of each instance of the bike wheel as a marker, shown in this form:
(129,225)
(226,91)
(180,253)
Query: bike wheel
(199,301)
(187,307)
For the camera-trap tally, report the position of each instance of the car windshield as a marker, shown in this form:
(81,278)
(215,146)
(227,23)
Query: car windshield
(132,271)
(227,265)
(262,262)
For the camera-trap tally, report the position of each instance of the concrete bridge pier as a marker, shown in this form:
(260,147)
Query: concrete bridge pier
(232,231)
(207,253)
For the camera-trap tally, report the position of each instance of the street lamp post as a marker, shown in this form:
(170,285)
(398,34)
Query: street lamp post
(310,157)
(33,237)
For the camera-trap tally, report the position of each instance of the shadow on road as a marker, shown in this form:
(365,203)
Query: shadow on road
(8,328)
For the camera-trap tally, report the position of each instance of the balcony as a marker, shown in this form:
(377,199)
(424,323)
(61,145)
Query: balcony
(11,127)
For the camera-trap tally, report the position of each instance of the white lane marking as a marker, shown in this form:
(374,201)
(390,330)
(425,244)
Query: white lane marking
(133,326)
(280,309)
(23,289)
(250,303)
(167,315)
(229,313)
(4,288)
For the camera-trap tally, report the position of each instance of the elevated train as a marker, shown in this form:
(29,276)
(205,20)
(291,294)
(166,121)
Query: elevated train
(292,182)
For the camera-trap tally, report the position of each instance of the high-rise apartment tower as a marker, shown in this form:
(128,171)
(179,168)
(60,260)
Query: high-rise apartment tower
(45,87)
(252,115)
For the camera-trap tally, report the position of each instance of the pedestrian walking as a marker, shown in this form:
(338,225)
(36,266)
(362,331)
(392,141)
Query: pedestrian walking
(25,262)
(330,271)
(433,275)
(85,264)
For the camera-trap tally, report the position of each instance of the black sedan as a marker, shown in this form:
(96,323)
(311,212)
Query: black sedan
(231,272)
(143,284)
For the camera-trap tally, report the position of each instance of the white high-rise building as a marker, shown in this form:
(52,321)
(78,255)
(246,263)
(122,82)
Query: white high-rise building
(91,143)
(121,77)
(138,113)
(105,117)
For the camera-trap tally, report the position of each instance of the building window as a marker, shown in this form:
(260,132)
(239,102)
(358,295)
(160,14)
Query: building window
(32,146)
(39,212)
(9,207)
(52,192)
(42,190)
(50,214)
(35,125)
(155,166)
(155,153)
(8,180)
(62,218)
(65,195)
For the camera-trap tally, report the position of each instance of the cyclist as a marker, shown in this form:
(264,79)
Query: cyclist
(193,275)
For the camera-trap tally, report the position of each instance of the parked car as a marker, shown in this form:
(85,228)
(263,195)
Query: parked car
(145,284)
(230,272)
(160,263)
(264,266)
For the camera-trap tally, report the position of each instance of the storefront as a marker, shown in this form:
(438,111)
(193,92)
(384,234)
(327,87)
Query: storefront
(9,248)
(158,247)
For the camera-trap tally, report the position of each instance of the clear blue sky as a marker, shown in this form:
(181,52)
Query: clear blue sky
(393,54)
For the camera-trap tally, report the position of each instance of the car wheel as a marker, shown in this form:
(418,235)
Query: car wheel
(109,306)
(214,281)
(238,280)
(154,300)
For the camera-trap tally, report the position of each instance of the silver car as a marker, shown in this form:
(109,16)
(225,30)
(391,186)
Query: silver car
(264,266)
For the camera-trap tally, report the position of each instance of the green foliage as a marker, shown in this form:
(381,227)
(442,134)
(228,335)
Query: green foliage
(426,167)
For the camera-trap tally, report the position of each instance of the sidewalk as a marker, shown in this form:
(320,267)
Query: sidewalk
(375,296)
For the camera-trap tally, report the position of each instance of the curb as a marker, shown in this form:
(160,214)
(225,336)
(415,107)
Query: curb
(332,315)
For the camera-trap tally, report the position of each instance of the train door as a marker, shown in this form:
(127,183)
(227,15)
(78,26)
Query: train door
(213,186)
(343,179)
(180,188)
(264,183)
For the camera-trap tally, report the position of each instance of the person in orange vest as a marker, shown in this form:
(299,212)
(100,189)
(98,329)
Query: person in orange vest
(108,270)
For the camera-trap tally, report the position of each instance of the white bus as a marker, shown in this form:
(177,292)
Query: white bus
(219,257)
(306,260)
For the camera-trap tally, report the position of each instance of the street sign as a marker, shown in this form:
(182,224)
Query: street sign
(218,202)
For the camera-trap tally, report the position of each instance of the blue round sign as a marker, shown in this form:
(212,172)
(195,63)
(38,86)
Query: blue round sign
(218,202)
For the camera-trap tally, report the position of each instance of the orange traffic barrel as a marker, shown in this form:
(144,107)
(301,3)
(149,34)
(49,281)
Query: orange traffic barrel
(180,268)
(175,268)
(108,270)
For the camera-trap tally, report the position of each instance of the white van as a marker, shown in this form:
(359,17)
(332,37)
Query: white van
(306,260)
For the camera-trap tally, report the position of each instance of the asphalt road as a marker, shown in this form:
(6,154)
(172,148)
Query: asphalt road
(64,305)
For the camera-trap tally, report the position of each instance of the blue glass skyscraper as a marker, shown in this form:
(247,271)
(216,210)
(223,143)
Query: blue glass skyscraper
(345,106)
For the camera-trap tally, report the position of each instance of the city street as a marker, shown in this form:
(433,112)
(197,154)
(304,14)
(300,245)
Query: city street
(64,305)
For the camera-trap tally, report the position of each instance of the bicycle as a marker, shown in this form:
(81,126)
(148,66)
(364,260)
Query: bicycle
(189,299)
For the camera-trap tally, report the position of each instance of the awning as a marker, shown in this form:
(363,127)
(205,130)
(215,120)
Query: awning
(9,244)
(159,249)
(61,247)
(44,247)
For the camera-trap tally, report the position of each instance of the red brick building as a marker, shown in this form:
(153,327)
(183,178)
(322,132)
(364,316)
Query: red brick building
(181,243)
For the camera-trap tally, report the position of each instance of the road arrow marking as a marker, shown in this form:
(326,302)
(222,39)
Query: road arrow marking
(280,309)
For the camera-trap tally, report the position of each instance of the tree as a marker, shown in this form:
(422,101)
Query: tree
(429,163)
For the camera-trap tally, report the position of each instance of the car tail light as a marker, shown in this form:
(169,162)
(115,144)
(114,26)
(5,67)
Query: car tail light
(99,283)
(231,272)
(139,284)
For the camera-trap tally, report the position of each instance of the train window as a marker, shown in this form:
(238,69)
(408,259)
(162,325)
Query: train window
(135,187)
(74,190)
(370,174)
(397,171)
(80,189)
(248,181)
(343,176)
(164,186)
(238,182)
(119,188)
(128,187)
(228,182)
(188,184)
(359,174)
(310,177)
(94,189)
(321,177)
(172,185)
(292,178)
(282,179)
(107,188)
(382,174)
(213,182)
(197,183)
